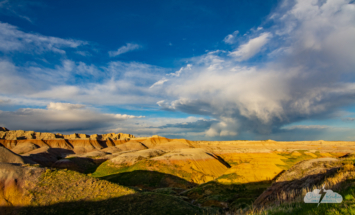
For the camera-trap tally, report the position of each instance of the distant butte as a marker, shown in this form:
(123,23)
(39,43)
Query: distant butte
(29,135)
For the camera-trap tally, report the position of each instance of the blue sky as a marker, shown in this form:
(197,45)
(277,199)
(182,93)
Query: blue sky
(209,70)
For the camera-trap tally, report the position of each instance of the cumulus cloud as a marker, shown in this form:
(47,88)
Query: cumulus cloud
(251,48)
(127,48)
(304,82)
(12,39)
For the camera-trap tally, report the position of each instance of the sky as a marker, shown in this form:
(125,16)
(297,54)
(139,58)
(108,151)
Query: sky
(200,70)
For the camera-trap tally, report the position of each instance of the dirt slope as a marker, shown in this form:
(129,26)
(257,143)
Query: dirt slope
(7,156)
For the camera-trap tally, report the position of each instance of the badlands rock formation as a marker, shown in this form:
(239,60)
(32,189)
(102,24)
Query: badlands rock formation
(194,161)
(216,169)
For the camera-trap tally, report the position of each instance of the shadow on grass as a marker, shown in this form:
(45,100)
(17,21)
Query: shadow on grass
(141,203)
(81,164)
(227,196)
(149,180)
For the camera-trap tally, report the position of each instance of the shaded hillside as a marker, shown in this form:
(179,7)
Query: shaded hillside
(149,180)
(140,203)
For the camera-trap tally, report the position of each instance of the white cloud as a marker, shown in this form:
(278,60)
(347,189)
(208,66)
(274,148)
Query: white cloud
(211,132)
(125,116)
(128,47)
(251,48)
(174,74)
(231,38)
(160,82)
(12,39)
(64,106)
(77,82)
(178,73)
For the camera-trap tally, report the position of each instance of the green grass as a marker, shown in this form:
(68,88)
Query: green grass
(292,160)
(107,168)
(64,186)
(229,176)
(146,174)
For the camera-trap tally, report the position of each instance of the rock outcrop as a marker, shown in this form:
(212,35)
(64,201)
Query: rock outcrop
(3,129)
(129,159)
(24,148)
(29,135)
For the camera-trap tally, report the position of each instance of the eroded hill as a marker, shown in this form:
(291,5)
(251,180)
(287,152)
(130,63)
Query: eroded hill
(216,175)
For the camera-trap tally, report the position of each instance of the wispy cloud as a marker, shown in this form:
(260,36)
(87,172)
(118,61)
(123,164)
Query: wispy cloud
(15,8)
(12,39)
(306,127)
(160,82)
(231,38)
(349,119)
(127,48)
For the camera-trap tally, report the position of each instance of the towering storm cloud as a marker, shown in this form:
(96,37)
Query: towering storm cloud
(307,70)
